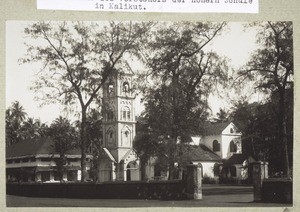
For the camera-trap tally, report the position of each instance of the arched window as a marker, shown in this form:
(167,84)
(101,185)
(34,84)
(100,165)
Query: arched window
(126,137)
(110,115)
(125,87)
(126,133)
(128,173)
(126,114)
(216,146)
(232,147)
(231,130)
(110,137)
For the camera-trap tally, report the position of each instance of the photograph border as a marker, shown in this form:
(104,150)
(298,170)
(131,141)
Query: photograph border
(274,10)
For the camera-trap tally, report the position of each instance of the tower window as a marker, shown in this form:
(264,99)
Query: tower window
(125,87)
(110,137)
(110,115)
(125,138)
(126,114)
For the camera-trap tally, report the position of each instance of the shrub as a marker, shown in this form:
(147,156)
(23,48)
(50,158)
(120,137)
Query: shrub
(210,180)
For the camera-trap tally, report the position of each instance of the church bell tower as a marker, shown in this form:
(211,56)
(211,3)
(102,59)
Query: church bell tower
(118,115)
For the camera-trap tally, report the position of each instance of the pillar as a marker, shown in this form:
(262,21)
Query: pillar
(194,182)
(113,172)
(260,172)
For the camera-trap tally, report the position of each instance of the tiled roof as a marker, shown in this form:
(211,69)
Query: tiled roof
(34,147)
(215,128)
(199,153)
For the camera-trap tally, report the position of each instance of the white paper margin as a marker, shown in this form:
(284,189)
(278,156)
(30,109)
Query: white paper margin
(169,6)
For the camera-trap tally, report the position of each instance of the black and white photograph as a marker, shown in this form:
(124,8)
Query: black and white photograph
(127,114)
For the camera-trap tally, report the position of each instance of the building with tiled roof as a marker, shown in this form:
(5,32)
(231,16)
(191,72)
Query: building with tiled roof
(35,160)
(199,153)
(219,143)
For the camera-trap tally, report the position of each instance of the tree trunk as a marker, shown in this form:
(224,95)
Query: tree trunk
(142,168)
(172,153)
(83,145)
(283,132)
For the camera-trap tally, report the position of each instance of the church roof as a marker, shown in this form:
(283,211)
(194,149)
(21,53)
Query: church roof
(215,128)
(33,147)
(127,154)
(199,153)
(109,155)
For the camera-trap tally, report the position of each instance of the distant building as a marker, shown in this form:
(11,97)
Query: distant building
(35,161)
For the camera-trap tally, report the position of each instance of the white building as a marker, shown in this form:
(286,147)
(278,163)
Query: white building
(218,151)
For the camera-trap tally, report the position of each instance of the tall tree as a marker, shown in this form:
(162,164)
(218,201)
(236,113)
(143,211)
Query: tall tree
(64,136)
(77,59)
(17,112)
(95,136)
(271,66)
(183,74)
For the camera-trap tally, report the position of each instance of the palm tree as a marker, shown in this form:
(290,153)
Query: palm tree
(15,115)
(17,112)
(33,128)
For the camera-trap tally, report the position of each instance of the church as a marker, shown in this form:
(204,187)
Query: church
(219,145)
(218,151)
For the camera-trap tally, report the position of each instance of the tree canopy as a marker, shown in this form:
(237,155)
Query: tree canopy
(77,58)
(183,73)
(271,68)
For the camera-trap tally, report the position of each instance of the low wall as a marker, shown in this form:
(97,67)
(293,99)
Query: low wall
(113,190)
(277,190)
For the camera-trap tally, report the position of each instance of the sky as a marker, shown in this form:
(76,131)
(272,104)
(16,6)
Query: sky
(235,43)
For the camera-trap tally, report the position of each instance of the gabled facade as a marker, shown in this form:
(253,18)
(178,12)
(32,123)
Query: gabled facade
(222,138)
(215,151)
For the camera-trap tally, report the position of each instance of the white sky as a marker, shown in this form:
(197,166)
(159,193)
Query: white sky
(236,44)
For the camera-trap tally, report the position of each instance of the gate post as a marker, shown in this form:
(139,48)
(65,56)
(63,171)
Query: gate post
(194,182)
(260,172)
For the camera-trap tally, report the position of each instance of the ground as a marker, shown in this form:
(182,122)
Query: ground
(213,196)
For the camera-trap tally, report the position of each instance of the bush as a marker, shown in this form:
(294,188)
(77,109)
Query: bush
(210,180)
(230,180)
